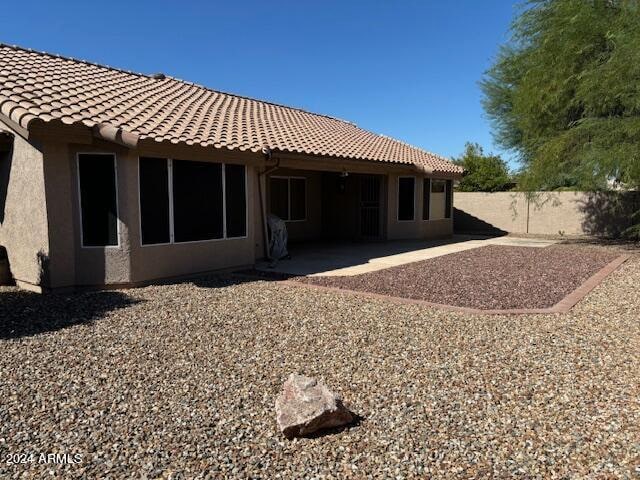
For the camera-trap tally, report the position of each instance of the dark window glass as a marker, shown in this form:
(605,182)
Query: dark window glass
(5,168)
(406,194)
(236,200)
(154,200)
(98,200)
(426,198)
(448,199)
(279,197)
(437,186)
(298,198)
(197,201)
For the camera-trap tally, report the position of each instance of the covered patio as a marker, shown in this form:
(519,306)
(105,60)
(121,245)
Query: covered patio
(320,206)
(349,258)
(330,206)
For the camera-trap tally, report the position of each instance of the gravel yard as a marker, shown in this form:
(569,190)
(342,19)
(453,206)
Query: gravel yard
(491,277)
(180,380)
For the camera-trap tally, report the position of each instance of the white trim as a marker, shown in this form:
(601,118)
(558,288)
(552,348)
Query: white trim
(172,240)
(288,178)
(115,173)
(398,198)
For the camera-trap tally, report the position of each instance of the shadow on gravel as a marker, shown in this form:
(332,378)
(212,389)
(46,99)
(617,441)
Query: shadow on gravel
(632,246)
(223,280)
(23,314)
(333,431)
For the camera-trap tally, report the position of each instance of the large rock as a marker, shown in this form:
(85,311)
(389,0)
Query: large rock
(306,406)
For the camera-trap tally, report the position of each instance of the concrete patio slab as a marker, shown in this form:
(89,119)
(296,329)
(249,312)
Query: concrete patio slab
(354,258)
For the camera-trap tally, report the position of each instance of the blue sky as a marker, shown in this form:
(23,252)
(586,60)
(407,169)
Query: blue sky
(407,69)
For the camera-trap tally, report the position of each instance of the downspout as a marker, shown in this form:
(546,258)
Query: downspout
(267,155)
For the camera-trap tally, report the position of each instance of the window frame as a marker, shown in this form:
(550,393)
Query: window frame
(170,195)
(439,181)
(288,178)
(413,219)
(79,192)
(172,240)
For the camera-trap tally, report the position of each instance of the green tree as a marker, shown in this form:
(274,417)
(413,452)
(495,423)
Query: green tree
(483,173)
(564,93)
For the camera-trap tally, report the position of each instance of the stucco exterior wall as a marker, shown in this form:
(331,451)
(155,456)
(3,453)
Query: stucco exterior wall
(60,211)
(181,259)
(130,262)
(44,188)
(416,228)
(108,265)
(24,224)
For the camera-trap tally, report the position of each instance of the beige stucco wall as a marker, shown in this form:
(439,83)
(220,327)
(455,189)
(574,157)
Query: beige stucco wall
(24,229)
(130,262)
(437,226)
(180,259)
(543,213)
(72,264)
(60,211)
(44,190)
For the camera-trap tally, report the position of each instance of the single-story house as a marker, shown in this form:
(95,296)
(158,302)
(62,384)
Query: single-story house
(109,177)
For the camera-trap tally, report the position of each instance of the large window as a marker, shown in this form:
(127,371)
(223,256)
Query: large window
(98,199)
(186,201)
(406,198)
(155,224)
(288,198)
(426,199)
(236,200)
(197,201)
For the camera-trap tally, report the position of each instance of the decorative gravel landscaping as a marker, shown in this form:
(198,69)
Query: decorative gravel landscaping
(179,381)
(491,277)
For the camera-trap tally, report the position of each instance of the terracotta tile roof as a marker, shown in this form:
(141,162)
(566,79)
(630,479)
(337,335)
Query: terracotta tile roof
(36,86)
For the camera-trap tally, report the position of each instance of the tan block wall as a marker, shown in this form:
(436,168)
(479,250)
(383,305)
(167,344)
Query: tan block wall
(545,213)
(24,228)
(554,212)
(417,228)
(506,211)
